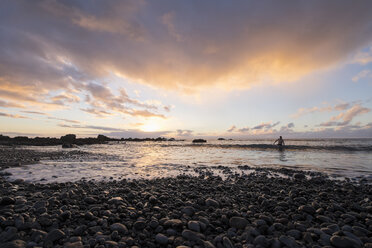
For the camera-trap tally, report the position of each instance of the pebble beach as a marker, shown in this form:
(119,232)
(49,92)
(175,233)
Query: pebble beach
(267,208)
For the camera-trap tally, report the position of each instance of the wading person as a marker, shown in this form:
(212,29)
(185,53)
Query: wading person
(280,142)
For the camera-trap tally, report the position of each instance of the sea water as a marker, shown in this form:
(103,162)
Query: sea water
(338,158)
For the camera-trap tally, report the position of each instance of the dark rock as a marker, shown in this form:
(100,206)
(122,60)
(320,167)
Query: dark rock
(115,200)
(139,225)
(79,231)
(14,244)
(211,203)
(261,240)
(154,224)
(161,239)
(110,244)
(344,242)
(294,233)
(289,241)
(10,233)
(199,141)
(65,215)
(193,226)
(89,200)
(7,200)
(176,223)
(227,243)
(190,235)
(122,229)
(188,210)
(53,236)
(208,244)
(37,235)
(77,244)
(238,222)
(306,208)
(299,176)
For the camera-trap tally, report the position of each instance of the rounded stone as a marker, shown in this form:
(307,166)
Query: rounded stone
(238,222)
(119,227)
(161,239)
(193,225)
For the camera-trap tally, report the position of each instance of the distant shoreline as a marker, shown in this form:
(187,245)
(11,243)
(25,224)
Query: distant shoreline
(69,139)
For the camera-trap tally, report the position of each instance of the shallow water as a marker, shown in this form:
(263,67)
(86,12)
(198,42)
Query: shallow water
(336,157)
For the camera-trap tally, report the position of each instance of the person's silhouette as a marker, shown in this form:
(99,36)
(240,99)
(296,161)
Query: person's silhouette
(280,141)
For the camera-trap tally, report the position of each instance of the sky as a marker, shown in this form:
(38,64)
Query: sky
(186,69)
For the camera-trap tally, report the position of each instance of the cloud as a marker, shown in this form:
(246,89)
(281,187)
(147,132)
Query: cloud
(288,128)
(338,107)
(13,116)
(66,97)
(101,97)
(96,112)
(91,127)
(63,119)
(118,132)
(341,106)
(137,134)
(347,131)
(244,129)
(362,74)
(7,104)
(266,125)
(183,46)
(33,112)
(184,133)
(49,116)
(344,118)
(364,57)
(231,129)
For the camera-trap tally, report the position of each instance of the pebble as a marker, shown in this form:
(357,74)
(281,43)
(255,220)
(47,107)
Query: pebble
(161,239)
(344,242)
(211,203)
(122,229)
(14,244)
(241,211)
(288,241)
(193,226)
(190,235)
(9,234)
(238,222)
(261,240)
(139,225)
(53,236)
(227,243)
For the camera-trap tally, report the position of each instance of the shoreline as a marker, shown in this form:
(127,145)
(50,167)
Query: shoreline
(250,210)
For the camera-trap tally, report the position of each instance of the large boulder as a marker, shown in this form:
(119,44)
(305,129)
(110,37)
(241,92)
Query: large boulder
(102,138)
(68,138)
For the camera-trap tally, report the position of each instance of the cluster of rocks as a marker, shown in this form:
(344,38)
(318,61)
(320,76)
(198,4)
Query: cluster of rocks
(69,140)
(48,141)
(205,211)
(10,157)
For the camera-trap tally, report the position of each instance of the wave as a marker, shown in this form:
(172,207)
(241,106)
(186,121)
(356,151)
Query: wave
(340,148)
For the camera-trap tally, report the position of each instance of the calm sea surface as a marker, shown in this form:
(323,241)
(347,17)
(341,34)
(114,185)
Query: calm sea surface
(336,157)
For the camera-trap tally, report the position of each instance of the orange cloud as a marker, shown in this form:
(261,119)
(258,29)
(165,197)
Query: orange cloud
(13,116)
(344,118)
(177,46)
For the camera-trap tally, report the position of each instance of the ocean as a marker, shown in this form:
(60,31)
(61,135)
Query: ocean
(339,158)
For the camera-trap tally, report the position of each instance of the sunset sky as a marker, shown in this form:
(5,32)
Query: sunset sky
(188,68)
